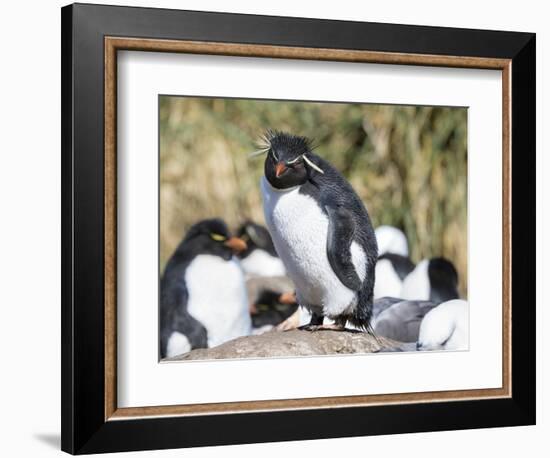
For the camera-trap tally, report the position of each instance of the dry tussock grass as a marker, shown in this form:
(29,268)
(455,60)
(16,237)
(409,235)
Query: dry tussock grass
(408,164)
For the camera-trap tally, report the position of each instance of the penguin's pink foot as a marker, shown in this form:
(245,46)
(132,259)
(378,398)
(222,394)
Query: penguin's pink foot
(292,322)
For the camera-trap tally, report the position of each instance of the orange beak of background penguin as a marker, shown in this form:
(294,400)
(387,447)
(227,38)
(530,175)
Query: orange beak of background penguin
(236,244)
(288,298)
(280,168)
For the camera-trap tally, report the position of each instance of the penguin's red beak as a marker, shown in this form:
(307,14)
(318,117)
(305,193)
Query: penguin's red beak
(236,244)
(280,168)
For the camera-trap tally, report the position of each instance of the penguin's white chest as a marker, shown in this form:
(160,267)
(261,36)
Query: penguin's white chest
(387,282)
(261,264)
(416,285)
(217,297)
(299,229)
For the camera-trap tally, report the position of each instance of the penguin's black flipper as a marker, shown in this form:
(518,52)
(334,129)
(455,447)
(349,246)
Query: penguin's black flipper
(341,228)
(192,328)
(174,316)
(181,321)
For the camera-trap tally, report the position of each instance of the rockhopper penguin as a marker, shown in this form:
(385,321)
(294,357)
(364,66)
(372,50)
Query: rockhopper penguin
(203,299)
(321,231)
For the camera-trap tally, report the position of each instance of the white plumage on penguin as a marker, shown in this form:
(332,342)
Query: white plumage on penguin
(391,240)
(445,327)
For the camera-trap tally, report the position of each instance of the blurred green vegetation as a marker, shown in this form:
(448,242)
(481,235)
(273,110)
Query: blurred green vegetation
(407,163)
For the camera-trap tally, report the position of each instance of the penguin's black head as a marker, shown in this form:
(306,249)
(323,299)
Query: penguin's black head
(287,163)
(255,236)
(443,280)
(211,236)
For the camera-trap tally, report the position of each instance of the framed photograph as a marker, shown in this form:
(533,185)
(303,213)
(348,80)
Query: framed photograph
(283,228)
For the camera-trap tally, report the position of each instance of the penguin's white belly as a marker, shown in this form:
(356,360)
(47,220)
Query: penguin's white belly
(260,263)
(299,230)
(416,285)
(387,283)
(217,298)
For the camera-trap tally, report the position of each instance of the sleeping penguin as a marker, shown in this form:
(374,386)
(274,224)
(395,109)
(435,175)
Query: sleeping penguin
(260,257)
(423,325)
(445,327)
(321,231)
(203,299)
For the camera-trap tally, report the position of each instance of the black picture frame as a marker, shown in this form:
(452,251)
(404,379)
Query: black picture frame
(84,427)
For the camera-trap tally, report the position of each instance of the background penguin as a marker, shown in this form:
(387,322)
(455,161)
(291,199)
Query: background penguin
(434,279)
(445,327)
(271,301)
(260,257)
(203,300)
(391,271)
(321,231)
(391,240)
(271,309)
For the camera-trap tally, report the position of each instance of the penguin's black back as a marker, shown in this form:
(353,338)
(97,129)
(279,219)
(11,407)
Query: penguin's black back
(174,296)
(332,189)
(173,290)
(443,280)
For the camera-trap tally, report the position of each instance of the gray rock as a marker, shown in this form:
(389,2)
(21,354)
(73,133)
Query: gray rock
(292,343)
